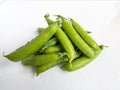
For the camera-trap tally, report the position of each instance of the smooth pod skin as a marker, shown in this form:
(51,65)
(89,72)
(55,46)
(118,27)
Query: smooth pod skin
(51,42)
(43,68)
(54,49)
(66,43)
(41,59)
(76,39)
(81,62)
(34,45)
(64,40)
(84,34)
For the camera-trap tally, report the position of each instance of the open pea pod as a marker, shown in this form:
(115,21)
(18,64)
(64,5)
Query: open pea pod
(34,44)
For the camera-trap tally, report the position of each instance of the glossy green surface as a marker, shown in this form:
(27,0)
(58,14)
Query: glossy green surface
(34,45)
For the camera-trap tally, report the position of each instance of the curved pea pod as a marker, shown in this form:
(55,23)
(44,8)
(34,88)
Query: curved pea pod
(42,59)
(65,42)
(80,62)
(54,49)
(76,39)
(43,68)
(34,45)
(84,34)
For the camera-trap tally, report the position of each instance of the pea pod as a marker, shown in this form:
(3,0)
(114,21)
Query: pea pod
(42,59)
(34,45)
(81,61)
(84,34)
(54,49)
(66,43)
(43,68)
(64,40)
(76,39)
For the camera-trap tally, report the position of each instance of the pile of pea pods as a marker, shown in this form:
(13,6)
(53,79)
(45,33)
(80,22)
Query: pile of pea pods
(63,42)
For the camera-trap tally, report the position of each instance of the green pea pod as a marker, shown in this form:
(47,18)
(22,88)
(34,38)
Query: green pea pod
(51,42)
(43,68)
(64,40)
(42,59)
(80,62)
(34,45)
(76,39)
(84,34)
(54,49)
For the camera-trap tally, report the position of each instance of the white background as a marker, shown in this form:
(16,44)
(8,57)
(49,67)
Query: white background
(18,24)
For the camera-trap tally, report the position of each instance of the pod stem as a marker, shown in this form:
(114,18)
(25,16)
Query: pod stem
(3,54)
(62,54)
(103,46)
(46,15)
(49,21)
(89,32)
(61,18)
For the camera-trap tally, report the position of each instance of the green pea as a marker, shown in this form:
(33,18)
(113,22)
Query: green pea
(34,45)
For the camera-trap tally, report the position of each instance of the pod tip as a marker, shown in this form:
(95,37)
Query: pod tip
(4,54)
(103,46)
(46,15)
